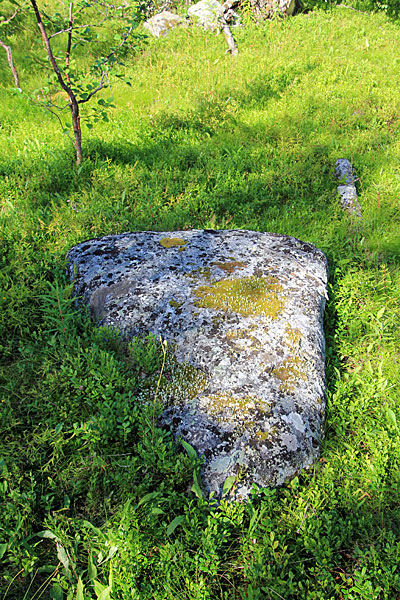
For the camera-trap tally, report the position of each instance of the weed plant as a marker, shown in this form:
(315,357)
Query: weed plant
(95,499)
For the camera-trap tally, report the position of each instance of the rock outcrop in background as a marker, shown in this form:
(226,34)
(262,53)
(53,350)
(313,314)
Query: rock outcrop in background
(212,16)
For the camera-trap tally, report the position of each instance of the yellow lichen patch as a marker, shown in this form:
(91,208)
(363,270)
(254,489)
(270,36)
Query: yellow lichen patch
(175,304)
(289,372)
(225,407)
(240,411)
(233,334)
(172,242)
(263,407)
(263,435)
(242,339)
(229,267)
(293,337)
(247,296)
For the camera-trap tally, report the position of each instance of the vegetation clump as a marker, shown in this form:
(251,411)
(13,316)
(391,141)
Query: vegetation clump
(178,383)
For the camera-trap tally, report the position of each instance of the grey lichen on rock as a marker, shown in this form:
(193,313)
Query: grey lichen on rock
(242,313)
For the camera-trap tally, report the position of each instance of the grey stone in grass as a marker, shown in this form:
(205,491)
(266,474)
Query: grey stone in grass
(242,313)
(162,23)
(347,189)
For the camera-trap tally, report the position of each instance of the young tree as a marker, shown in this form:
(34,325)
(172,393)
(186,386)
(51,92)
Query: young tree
(81,26)
(3,24)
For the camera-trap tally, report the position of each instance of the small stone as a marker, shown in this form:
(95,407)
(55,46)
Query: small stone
(347,190)
(161,24)
(242,313)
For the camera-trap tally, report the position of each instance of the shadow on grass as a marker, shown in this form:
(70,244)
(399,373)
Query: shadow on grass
(240,176)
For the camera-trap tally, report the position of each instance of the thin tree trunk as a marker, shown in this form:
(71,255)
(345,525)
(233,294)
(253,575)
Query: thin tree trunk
(10,62)
(69,43)
(73,103)
(76,124)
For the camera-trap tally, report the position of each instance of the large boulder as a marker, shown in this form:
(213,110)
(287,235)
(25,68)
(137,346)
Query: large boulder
(242,313)
(161,24)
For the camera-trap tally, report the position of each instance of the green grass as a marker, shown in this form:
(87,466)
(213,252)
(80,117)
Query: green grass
(202,139)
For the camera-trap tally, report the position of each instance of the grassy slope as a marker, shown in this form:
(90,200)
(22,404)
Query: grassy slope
(204,140)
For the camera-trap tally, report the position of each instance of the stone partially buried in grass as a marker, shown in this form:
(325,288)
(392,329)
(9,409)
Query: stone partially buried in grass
(242,313)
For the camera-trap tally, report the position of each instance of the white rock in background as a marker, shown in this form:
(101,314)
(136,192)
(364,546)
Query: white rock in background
(242,313)
(161,24)
(206,13)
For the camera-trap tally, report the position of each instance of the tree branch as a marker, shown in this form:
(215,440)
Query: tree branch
(50,52)
(103,74)
(10,63)
(52,112)
(92,93)
(70,27)
(113,52)
(10,19)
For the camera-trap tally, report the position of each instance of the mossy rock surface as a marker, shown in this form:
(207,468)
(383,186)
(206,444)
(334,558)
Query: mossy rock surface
(242,313)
